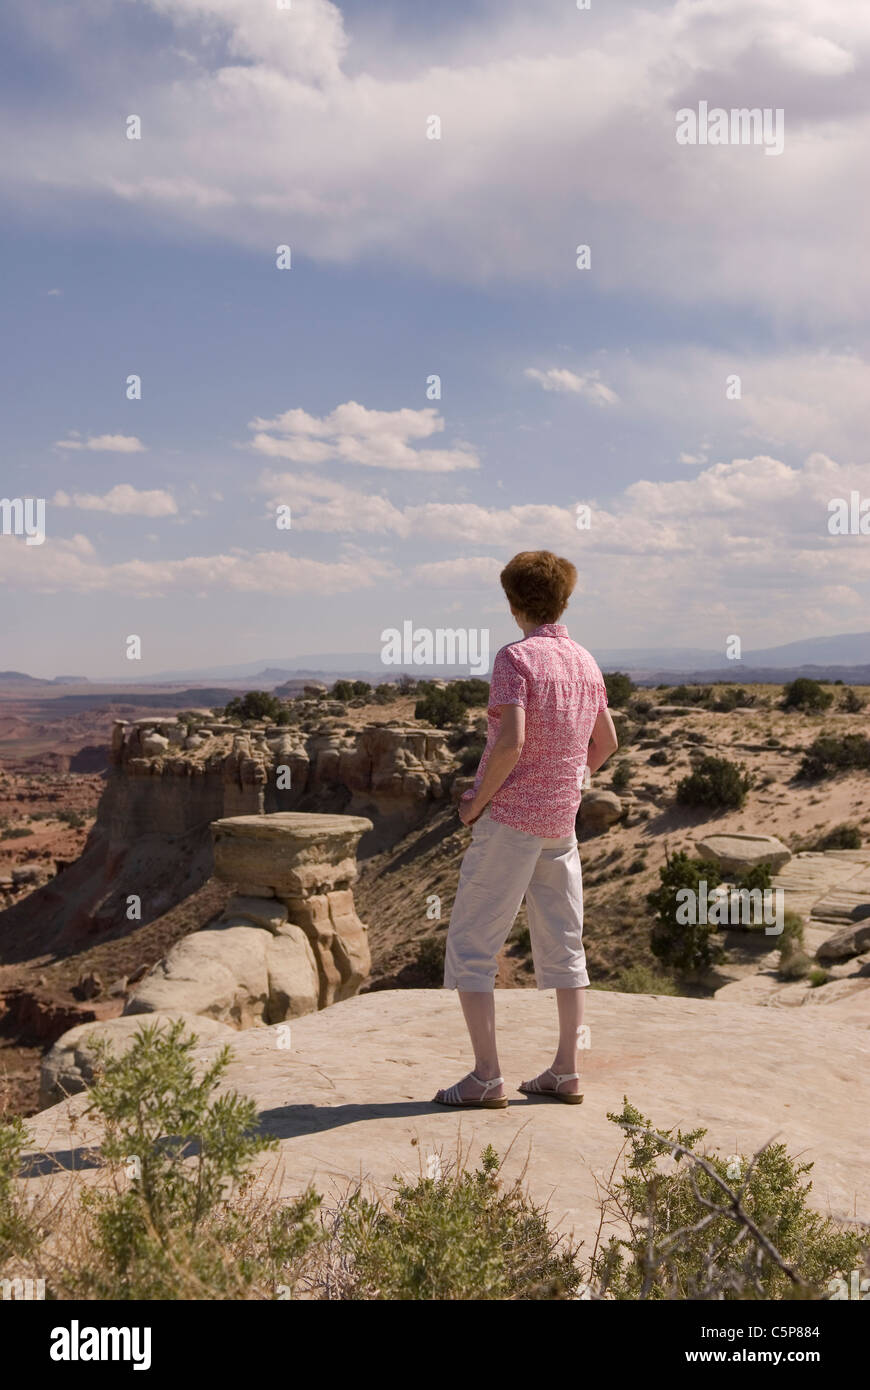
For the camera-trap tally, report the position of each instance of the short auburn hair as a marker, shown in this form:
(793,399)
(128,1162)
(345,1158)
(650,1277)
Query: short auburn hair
(538,584)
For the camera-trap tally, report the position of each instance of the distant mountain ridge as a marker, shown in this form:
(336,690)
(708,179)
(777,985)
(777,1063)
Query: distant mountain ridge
(840,656)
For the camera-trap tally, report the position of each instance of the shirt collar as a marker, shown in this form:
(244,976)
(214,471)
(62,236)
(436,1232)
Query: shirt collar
(550,630)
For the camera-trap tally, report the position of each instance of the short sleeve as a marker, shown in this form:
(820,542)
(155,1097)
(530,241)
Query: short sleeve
(602,698)
(508,685)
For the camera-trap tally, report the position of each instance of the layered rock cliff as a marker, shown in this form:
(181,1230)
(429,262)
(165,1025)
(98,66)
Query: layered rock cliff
(169,780)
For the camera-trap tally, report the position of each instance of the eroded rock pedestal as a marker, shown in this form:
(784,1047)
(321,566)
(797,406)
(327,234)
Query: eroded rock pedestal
(304,865)
(288,943)
(289,940)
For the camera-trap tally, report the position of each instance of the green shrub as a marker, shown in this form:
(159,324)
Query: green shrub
(851,703)
(818,976)
(351,690)
(687,1239)
(621,775)
(733,697)
(639,979)
(19,832)
(430,960)
(256,704)
(806,695)
(659,758)
(715,783)
(385,694)
(457,1237)
(794,963)
(830,754)
(448,705)
(470,755)
(74,819)
(172,1234)
(690,948)
(842,836)
(689,695)
(18,1232)
(619,688)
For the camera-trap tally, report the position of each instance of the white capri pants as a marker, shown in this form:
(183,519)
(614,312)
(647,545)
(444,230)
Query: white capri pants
(500,865)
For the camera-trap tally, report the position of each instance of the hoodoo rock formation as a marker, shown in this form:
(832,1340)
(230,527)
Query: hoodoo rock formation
(288,943)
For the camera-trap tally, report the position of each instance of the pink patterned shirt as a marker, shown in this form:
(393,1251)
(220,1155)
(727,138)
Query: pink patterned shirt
(561,689)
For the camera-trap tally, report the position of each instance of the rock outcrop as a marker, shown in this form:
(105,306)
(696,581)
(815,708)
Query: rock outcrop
(598,810)
(68,1067)
(289,941)
(169,780)
(735,853)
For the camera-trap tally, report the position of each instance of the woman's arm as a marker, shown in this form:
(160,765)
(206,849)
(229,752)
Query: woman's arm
(603,741)
(503,758)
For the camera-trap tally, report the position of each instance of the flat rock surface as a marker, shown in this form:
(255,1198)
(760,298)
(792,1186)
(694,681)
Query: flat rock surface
(351,1096)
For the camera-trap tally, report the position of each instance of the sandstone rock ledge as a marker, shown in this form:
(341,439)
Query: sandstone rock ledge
(353,1092)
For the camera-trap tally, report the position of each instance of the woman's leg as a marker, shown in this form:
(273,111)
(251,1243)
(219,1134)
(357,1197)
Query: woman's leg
(554,900)
(478,1007)
(570,1003)
(495,870)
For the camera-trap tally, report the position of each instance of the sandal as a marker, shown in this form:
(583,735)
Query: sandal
(534,1088)
(451,1095)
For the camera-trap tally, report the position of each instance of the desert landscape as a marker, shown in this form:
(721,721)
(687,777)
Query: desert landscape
(431,430)
(195,811)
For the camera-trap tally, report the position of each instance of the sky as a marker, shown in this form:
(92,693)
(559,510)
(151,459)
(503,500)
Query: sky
(677,413)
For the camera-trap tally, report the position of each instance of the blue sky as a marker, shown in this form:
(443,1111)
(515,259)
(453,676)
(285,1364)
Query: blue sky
(307,387)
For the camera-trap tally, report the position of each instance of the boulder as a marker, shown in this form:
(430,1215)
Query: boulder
(735,853)
(220,972)
(68,1066)
(845,943)
(598,810)
(153,743)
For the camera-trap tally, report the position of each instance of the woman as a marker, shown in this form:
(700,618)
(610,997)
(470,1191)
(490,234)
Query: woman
(547,722)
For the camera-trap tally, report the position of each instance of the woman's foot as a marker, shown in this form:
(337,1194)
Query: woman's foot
(471,1090)
(554,1083)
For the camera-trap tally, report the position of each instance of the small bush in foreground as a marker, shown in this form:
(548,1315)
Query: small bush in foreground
(455,1237)
(171,1233)
(714,1228)
(18,1235)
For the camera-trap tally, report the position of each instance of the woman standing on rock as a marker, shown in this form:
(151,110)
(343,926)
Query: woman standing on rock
(547,722)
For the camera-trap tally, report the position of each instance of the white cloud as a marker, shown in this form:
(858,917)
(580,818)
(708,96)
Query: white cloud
(72,566)
(121,500)
(104,444)
(560,379)
(354,434)
(469,573)
(554,132)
